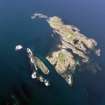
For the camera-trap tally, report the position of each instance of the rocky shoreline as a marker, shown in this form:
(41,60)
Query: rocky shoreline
(71,43)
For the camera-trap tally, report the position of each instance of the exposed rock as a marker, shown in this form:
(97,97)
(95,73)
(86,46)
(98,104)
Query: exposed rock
(62,60)
(72,43)
(71,39)
(38,64)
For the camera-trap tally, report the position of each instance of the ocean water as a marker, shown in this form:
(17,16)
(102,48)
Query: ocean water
(16,27)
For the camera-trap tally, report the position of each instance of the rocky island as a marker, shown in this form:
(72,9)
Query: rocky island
(71,43)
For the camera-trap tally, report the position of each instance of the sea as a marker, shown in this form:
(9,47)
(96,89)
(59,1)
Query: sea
(16,27)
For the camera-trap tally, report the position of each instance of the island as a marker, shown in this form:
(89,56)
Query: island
(71,43)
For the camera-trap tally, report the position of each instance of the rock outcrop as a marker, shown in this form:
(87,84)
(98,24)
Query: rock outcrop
(72,43)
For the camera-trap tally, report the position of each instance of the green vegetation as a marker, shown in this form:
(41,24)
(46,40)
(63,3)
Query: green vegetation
(61,57)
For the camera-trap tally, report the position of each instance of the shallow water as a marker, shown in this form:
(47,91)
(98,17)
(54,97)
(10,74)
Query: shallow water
(16,27)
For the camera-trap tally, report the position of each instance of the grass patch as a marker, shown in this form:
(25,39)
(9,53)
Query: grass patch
(61,57)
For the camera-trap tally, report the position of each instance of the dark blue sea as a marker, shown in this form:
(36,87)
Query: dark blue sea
(17,27)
